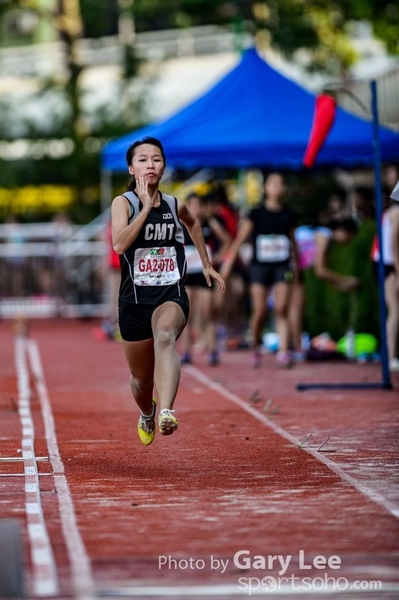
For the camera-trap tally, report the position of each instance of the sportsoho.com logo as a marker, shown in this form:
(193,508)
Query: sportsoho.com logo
(322,583)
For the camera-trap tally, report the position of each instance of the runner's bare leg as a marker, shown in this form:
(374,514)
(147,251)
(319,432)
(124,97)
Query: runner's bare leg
(140,358)
(168,321)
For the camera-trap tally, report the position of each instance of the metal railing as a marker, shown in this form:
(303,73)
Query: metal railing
(60,269)
(54,269)
(388,98)
(40,60)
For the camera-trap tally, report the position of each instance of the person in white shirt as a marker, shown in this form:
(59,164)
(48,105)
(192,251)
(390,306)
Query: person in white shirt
(390,251)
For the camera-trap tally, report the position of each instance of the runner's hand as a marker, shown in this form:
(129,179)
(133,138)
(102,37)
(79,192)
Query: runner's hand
(348,284)
(142,192)
(209,274)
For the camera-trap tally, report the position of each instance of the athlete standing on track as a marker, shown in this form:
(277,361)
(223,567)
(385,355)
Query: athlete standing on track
(147,233)
(270,227)
(390,252)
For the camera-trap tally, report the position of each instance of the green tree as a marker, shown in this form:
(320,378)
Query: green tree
(383,14)
(319,27)
(316,29)
(61,97)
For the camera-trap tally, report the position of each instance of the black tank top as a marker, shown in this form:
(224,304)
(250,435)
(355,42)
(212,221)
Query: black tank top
(153,268)
(271,234)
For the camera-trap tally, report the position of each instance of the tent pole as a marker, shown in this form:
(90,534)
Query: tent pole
(386,382)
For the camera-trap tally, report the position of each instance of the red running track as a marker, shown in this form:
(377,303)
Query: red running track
(258,481)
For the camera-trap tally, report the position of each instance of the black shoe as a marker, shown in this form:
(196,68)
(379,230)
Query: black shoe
(213,359)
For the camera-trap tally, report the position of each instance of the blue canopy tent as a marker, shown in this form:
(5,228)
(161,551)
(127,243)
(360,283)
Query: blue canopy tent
(255,117)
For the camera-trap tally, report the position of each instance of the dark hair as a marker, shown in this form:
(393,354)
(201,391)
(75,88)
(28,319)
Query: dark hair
(192,195)
(347,223)
(132,150)
(218,193)
(339,193)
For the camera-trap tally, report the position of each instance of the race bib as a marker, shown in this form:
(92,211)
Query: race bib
(194,262)
(155,266)
(272,248)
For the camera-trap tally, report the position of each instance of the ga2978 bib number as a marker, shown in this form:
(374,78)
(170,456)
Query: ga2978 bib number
(155,266)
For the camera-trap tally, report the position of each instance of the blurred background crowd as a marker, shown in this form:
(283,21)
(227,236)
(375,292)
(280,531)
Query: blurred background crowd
(75,74)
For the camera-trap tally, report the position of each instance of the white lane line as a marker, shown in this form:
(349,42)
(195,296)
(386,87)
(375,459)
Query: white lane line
(44,571)
(18,458)
(361,487)
(22,474)
(82,579)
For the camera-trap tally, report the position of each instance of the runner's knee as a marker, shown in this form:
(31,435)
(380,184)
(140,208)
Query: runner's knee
(139,385)
(281,311)
(163,339)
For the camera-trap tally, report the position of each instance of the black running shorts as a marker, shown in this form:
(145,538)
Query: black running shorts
(388,269)
(197,280)
(135,319)
(268,274)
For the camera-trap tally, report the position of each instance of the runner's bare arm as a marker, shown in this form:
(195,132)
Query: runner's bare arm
(123,232)
(244,231)
(222,235)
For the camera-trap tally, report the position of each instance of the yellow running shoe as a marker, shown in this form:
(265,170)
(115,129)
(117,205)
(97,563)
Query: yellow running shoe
(167,422)
(146,426)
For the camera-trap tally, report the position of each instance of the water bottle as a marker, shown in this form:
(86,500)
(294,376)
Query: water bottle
(350,352)
(305,341)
